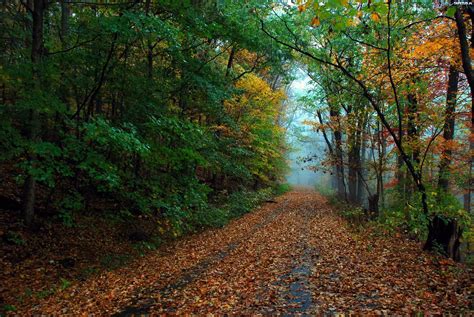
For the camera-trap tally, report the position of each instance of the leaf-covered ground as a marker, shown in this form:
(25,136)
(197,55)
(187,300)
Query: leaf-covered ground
(294,256)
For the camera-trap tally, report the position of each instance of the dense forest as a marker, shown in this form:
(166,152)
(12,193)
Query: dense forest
(149,106)
(143,121)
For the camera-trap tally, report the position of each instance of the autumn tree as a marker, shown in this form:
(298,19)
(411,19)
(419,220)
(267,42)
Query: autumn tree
(367,44)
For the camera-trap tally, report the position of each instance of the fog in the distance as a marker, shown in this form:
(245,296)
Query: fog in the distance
(304,142)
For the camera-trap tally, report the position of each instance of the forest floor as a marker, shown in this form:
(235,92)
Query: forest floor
(294,256)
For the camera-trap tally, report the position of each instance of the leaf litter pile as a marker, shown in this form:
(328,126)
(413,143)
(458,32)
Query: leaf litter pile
(295,256)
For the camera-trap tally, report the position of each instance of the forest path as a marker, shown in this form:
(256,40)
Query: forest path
(292,257)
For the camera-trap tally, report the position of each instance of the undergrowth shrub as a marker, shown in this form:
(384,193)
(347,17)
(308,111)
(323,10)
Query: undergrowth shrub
(281,189)
(406,213)
(242,202)
(354,214)
(210,217)
(220,213)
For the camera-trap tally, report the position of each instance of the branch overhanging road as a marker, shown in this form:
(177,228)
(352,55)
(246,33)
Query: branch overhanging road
(292,257)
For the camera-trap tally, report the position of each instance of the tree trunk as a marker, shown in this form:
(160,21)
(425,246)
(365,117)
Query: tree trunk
(230,62)
(334,178)
(445,236)
(446,233)
(361,141)
(37,52)
(467,67)
(65,14)
(353,155)
(373,205)
(362,171)
(401,177)
(341,188)
(382,146)
(448,132)
(353,158)
(413,138)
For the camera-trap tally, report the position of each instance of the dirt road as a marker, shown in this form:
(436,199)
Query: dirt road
(291,257)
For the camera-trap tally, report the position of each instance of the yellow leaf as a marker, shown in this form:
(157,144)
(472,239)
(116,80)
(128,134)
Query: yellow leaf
(375,17)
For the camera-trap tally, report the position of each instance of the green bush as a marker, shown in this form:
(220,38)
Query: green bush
(280,189)
(153,244)
(14,238)
(211,217)
(69,205)
(201,214)
(353,214)
(242,202)
(409,215)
